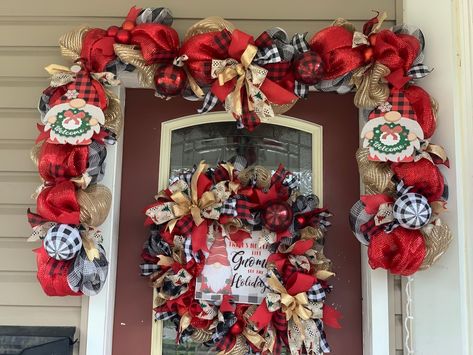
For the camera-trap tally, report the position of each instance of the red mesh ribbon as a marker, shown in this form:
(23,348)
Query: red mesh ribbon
(158,43)
(424,176)
(59,203)
(201,49)
(97,50)
(396,51)
(334,45)
(401,251)
(59,162)
(420,102)
(52,274)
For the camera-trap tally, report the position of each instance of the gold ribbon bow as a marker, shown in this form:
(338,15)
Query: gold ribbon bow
(250,75)
(293,306)
(194,206)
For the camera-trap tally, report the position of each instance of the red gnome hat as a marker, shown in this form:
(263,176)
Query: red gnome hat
(218,252)
(396,101)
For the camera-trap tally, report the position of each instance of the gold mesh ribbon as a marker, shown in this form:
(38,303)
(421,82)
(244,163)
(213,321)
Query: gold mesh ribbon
(209,24)
(201,335)
(372,88)
(283,108)
(437,238)
(130,55)
(260,174)
(95,202)
(240,347)
(71,43)
(113,113)
(375,175)
(34,153)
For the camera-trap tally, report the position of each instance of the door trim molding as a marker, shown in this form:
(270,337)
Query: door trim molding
(101,307)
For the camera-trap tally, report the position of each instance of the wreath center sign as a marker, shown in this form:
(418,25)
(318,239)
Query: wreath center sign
(236,269)
(235,253)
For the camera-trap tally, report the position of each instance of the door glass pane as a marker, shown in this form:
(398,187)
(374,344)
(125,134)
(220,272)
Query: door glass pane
(268,145)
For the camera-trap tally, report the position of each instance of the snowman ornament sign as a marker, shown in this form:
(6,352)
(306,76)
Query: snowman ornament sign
(392,137)
(74,122)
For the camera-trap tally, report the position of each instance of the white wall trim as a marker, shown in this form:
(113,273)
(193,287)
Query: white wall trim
(442,295)
(102,306)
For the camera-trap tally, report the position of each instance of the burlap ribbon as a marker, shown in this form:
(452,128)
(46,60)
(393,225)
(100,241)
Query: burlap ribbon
(376,176)
(249,75)
(113,113)
(372,87)
(257,174)
(95,203)
(437,238)
(71,43)
(209,24)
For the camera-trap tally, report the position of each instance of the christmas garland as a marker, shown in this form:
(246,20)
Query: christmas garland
(215,231)
(254,79)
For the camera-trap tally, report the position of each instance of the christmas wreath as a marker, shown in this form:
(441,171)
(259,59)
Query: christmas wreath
(254,79)
(236,257)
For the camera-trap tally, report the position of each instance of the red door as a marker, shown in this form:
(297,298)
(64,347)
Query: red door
(143,117)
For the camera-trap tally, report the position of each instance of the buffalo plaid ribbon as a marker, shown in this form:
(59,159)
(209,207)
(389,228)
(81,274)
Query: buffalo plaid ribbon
(189,253)
(323,338)
(418,71)
(148,269)
(243,207)
(96,163)
(229,207)
(316,293)
(35,219)
(210,100)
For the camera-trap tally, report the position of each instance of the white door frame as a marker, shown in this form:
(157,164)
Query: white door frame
(447,26)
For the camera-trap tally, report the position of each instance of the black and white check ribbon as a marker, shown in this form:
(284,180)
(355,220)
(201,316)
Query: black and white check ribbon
(88,276)
(316,293)
(189,253)
(210,100)
(341,85)
(96,163)
(160,15)
(267,55)
(324,346)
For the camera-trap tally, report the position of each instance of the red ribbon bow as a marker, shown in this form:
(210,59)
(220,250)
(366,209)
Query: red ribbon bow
(388,131)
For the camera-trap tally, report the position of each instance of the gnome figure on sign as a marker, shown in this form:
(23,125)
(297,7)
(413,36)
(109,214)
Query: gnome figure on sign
(217,272)
(392,132)
(76,116)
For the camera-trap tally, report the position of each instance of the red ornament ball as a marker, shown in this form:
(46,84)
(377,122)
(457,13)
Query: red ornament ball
(308,68)
(112,31)
(170,80)
(123,36)
(128,25)
(277,216)
(236,328)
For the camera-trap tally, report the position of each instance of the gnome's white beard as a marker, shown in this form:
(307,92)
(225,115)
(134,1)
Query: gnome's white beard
(217,276)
